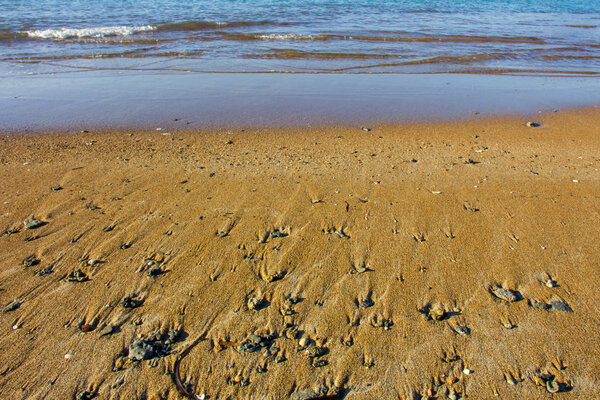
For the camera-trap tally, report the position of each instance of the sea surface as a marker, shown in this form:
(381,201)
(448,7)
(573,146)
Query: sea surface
(301,36)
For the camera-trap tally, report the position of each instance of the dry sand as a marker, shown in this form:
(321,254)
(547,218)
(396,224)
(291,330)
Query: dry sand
(382,248)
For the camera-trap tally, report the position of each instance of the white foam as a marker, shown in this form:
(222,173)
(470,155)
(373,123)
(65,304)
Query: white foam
(66,33)
(286,36)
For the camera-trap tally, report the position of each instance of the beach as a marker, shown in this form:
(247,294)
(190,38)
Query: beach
(433,259)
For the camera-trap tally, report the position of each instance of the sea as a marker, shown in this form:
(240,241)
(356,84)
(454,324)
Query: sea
(307,36)
(410,40)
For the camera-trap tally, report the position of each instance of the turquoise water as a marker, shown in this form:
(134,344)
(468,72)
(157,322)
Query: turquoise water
(318,36)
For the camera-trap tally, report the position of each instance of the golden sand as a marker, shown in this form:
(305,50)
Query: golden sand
(365,262)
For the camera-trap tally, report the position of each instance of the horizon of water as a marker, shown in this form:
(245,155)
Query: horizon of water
(300,36)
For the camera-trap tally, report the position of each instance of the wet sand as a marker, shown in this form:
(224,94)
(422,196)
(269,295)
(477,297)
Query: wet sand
(407,261)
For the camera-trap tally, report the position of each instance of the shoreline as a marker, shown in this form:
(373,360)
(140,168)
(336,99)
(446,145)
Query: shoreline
(108,101)
(448,259)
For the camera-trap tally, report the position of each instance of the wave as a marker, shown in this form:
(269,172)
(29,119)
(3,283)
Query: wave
(68,33)
(299,54)
(464,60)
(208,25)
(425,39)
(273,36)
(127,54)
(107,31)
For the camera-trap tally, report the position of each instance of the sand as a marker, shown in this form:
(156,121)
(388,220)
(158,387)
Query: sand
(365,262)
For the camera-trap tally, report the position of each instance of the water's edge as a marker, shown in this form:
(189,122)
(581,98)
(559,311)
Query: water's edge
(105,100)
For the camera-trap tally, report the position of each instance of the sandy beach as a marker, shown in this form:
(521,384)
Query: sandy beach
(428,260)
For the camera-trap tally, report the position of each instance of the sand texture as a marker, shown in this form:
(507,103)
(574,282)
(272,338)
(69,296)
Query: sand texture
(434,260)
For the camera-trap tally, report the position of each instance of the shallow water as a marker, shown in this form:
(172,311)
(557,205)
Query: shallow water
(314,36)
(170,100)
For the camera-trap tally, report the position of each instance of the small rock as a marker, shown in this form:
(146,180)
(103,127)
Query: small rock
(277,234)
(255,304)
(130,302)
(552,386)
(540,305)
(347,341)
(261,369)
(69,356)
(44,271)
(559,305)
(280,358)
(462,330)
(155,336)
(141,350)
(30,261)
(380,322)
(506,294)
(275,277)
(272,351)
(508,325)
(304,342)
(319,363)
(366,129)
(467,371)
(107,330)
(85,395)
(173,335)
(12,306)
(551,283)
(254,339)
(33,223)
(86,327)
(77,276)
(366,303)
(531,124)
(437,314)
(359,268)
(56,188)
(315,351)
(93,261)
(249,347)
(155,271)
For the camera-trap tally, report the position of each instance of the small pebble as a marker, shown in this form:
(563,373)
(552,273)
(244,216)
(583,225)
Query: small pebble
(33,223)
(12,306)
(550,283)
(462,330)
(366,303)
(559,305)
(141,350)
(540,305)
(156,271)
(552,386)
(107,330)
(531,124)
(467,371)
(506,294)
(69,356)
